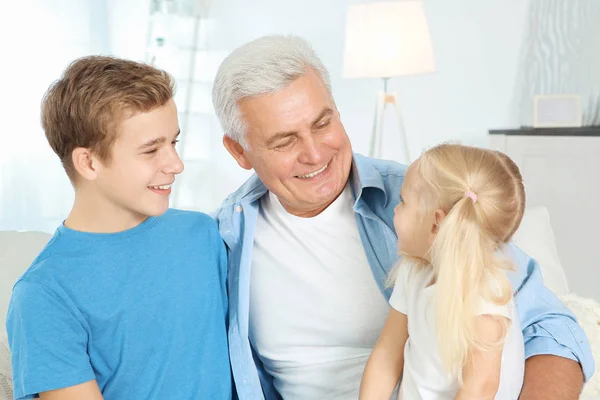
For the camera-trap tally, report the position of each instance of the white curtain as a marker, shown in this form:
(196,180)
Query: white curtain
(40,37)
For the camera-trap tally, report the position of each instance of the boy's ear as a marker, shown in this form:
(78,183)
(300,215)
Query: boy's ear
(438,217)
(85,163)
(237,151)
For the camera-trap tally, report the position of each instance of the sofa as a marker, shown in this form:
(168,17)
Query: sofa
(535,236)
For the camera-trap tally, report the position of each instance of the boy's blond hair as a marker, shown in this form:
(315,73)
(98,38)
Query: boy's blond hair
(94,95)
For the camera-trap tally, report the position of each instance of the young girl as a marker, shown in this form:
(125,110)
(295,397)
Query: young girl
(452,331)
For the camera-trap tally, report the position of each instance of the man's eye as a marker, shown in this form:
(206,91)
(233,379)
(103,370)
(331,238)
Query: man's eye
(284,145)
(324,124)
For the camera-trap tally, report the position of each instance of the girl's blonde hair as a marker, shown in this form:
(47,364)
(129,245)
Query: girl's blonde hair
(482,193)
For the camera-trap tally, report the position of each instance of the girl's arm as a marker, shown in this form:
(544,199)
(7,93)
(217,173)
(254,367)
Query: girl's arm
(481,374)
(384,368)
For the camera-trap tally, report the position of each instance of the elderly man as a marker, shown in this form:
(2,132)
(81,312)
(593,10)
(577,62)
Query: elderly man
(310,241)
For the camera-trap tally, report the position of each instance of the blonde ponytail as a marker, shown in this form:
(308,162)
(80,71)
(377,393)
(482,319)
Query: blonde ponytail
(463,259)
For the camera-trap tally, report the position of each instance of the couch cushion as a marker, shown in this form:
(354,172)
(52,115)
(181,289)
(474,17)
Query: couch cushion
(6,392)
(17,251)
(536,238)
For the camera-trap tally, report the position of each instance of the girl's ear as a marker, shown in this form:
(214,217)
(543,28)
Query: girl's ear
(438,217)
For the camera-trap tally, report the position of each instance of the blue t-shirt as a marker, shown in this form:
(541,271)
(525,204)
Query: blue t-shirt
(143,312)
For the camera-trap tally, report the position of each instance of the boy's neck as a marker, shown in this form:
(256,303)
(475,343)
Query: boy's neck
(95,215)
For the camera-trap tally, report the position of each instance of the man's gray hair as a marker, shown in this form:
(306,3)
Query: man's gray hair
(265,65)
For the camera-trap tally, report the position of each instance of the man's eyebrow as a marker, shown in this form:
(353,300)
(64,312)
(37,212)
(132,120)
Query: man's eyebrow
(326,112)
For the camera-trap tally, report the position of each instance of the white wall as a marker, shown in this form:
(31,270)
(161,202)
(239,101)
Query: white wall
(561,56)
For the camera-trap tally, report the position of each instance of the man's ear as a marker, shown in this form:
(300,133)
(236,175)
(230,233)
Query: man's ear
(438,217)
(237,151)
(85,163)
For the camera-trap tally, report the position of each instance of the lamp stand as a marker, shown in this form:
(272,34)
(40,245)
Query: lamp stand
(376,146)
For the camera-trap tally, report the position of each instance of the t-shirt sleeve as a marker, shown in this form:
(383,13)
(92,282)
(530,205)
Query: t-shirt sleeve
(399,294)
(491,308)
(48,341)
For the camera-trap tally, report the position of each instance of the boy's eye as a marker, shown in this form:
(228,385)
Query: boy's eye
(173,143)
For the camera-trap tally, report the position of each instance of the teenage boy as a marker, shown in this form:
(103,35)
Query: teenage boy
(128,299)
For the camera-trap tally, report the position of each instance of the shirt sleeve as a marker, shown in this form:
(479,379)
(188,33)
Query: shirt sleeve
(48,342)
(488,307)
(221,257)
(548,326)
(398,299)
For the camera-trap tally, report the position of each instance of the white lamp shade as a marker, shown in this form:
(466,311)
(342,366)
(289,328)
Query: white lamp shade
(387,39)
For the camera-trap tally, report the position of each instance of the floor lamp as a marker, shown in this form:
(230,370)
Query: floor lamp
(384,40)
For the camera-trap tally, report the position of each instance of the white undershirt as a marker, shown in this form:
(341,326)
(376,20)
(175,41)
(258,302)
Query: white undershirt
(315,309)
(424,377)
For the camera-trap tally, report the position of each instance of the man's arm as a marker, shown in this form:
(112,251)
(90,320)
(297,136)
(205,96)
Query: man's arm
(551,377)
(85,391)
(554,341)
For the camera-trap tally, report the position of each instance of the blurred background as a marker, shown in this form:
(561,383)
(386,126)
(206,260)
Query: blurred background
(476,46)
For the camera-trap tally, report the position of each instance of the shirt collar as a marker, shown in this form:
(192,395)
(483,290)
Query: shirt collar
(364,175)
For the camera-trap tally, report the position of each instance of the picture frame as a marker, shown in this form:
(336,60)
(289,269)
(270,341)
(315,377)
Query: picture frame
(557,111)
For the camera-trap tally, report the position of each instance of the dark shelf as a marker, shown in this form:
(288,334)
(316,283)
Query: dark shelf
(582,131)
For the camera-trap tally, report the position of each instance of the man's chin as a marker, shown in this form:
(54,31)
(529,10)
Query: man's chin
(321,202)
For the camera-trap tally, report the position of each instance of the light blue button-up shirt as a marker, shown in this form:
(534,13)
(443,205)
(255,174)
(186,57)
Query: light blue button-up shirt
(548,326)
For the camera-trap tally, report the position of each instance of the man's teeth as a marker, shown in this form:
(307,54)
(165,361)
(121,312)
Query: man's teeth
(163,187)
(313,174)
